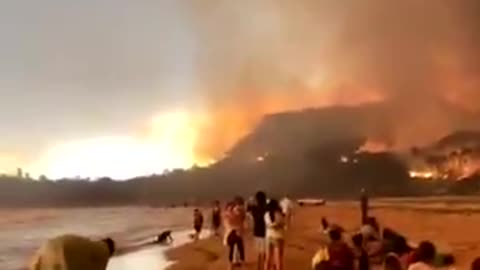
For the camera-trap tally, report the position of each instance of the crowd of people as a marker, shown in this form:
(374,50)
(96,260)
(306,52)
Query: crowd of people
(370,247)
(269,221)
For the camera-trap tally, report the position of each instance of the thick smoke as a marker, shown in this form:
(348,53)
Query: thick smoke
(420,57)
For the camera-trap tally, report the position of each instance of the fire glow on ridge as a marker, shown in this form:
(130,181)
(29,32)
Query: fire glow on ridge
(169,143)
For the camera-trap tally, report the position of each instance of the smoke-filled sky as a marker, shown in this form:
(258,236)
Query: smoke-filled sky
(92,86)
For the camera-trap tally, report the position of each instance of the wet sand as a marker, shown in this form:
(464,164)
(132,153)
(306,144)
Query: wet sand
(149,256)
(452,226)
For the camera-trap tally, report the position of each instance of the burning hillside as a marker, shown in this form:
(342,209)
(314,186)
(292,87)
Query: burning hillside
(453,157)
(343,132)
(292,55)
(456,157)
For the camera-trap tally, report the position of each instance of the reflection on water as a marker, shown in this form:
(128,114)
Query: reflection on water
(151,258)
(22,231)
(148,259)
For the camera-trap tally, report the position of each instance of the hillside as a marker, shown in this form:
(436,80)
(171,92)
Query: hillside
(305,153)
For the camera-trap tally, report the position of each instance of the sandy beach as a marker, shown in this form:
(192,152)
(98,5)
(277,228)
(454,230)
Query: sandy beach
(451,230)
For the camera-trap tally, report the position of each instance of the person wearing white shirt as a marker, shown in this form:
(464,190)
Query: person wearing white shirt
(275,236)
(287,209)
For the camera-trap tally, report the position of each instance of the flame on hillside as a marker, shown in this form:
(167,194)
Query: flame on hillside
(373,146)
(452,165)
(225,124)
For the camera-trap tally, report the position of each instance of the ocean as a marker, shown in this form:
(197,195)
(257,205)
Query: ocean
(22,231)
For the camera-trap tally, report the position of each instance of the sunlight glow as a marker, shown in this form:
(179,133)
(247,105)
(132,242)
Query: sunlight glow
(168,144)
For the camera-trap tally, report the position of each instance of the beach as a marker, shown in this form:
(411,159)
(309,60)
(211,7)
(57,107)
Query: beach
(452,224)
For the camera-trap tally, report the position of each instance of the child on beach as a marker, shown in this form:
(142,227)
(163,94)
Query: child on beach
(275,235)
(197,223)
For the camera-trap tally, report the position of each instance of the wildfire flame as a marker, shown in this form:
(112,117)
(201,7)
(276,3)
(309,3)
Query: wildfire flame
(373,146)
(422,174)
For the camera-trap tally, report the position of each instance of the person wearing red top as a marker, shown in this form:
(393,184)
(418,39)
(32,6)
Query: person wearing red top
(341,256)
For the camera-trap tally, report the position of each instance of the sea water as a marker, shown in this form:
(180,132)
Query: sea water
(150,257)
(22,231)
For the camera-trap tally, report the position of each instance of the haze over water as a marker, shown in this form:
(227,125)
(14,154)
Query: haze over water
(22,231)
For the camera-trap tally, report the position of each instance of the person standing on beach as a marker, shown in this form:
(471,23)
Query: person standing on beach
(216,218)
(72,252)
(275,236)
(287,209)
(197,223)
(234,219)
(257,212)
(364,206)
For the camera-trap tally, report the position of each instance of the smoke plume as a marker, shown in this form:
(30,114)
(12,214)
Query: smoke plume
(420,57)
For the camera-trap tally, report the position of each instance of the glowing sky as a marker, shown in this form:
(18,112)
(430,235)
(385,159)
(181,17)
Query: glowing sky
(132,87)
(83,77)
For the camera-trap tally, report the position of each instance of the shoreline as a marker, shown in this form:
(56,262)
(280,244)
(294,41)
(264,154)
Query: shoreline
(211,253)
(150,256)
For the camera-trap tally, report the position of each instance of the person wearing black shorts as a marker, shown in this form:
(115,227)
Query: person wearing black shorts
(216,218)
(257,211)
(197,223)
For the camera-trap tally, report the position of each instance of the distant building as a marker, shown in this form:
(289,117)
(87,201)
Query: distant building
(27,175)
(19,173)
(43,178)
